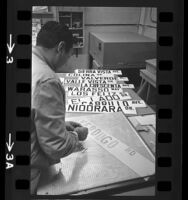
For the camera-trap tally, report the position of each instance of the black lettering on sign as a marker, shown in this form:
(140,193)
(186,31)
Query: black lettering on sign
(124,94)
(97,103)
(128,108)
(69,89)
(136,102)
(82,108)
(104,103)
(71,107)
(116,97)
(84,85)
(110,103)
(85,94)
(97,108)
(71,81)
(125,103)
(101,98)
(89,108)
(108,98)
(112,109)
(75,101)
(103,89)
(104,109)
(119,109)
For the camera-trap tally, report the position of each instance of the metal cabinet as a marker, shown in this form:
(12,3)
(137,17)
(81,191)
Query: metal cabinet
(121,49)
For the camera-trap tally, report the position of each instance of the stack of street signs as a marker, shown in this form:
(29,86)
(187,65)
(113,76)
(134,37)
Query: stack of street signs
(93,81)
(104,104)
(98,91)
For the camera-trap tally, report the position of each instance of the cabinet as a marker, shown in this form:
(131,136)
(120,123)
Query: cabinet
(121,49)
(74,21)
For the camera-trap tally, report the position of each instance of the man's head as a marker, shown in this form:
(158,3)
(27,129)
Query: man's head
(56,41)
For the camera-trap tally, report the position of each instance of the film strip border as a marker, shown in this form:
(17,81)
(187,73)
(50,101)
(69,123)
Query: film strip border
(169,103)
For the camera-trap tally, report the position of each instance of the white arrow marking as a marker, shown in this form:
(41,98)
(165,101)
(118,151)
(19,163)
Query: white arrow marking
(10,46)
(9,144)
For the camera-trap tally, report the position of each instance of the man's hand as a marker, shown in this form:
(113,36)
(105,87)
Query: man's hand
(79,147)
(70,126)
(82,133)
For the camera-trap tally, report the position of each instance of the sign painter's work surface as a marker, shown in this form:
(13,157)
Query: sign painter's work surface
(101,164)
(146,127)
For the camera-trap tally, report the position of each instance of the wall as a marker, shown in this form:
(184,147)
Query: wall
(105,19)
(148,22)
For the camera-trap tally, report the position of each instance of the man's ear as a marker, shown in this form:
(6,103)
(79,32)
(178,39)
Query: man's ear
(61,47)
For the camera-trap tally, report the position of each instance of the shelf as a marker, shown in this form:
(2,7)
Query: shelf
(75,21)
(65,16)
(42,14)
(76,28)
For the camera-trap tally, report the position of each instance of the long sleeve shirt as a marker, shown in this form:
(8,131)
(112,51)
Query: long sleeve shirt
(50,140)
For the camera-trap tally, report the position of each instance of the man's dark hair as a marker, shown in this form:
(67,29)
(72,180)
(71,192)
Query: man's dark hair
(52,33)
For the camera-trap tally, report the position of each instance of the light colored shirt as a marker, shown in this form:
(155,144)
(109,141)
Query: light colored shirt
(50,140)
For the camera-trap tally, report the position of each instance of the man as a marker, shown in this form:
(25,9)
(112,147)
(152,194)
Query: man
(51,137)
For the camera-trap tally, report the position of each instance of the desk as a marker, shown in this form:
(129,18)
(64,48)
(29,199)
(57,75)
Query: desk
(134,96)
(53,182)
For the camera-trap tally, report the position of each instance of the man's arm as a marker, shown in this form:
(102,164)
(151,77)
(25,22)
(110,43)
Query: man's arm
(54,139)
